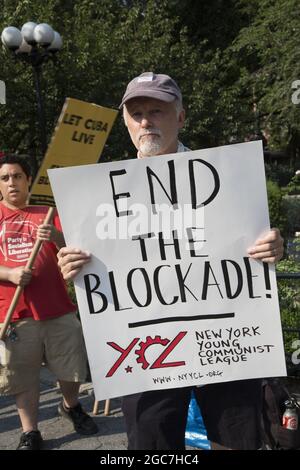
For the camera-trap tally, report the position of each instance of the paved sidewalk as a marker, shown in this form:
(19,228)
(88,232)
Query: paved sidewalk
(58,432)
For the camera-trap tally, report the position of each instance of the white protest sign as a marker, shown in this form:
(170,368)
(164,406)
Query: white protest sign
(170,298)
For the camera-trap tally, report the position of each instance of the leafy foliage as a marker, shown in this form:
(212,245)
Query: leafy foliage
(234,60)
(279,173)
(269,50)
(289,299)
(293,188)
(277,216)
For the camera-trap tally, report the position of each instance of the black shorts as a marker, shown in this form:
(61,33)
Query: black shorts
(231,413)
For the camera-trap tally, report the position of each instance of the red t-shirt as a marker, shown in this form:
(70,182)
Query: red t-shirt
(46,295)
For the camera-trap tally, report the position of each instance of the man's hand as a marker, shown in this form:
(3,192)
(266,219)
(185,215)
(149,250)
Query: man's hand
(71,260)
(48,233)
(269,248)
(45,232)
(19,276)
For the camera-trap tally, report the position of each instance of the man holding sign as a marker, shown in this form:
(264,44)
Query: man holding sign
(44,325)
(153,114)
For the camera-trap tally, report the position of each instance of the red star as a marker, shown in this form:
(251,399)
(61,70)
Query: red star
(128,369)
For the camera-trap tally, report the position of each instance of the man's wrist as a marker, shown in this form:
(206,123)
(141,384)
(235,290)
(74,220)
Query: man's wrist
(58,238)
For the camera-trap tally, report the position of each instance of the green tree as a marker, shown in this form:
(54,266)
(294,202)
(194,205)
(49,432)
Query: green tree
(269,50)
(105,44)
(235,62)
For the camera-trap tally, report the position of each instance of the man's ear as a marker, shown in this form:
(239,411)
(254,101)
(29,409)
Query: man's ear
(124,115)
(181,119)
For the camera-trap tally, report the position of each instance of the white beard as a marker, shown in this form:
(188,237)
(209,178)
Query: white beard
(150,146)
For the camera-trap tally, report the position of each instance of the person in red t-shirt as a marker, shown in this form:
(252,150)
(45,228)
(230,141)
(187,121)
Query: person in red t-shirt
(44,325)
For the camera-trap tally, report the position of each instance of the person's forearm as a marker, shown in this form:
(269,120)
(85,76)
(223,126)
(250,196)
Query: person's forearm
(5,273)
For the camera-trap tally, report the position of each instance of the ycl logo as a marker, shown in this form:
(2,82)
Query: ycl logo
(140,352)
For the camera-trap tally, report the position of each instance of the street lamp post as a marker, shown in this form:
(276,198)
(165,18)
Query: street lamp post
(34,44)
